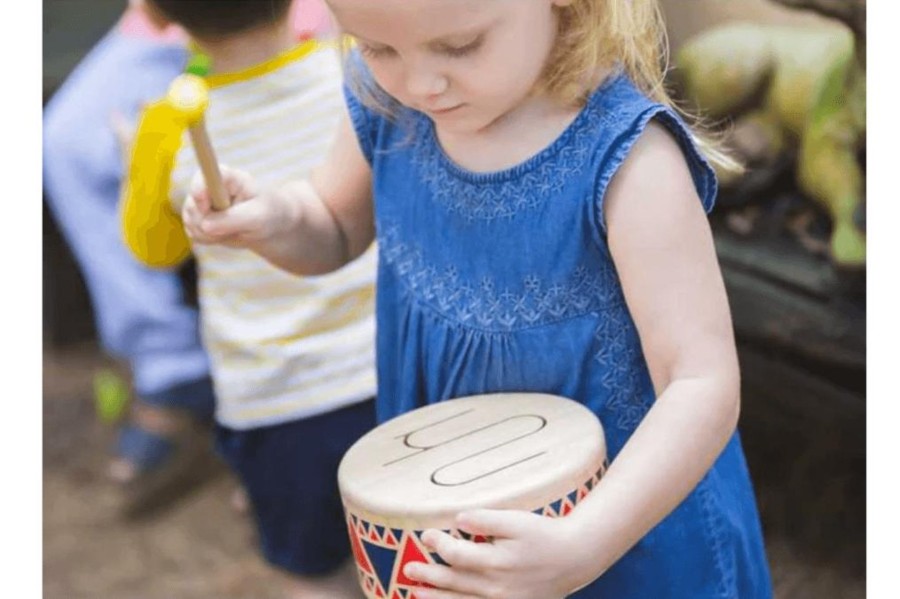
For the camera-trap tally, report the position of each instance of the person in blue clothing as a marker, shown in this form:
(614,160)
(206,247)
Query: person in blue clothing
(142,316)
(540,212)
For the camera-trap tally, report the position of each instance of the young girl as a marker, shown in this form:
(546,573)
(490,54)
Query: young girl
(540,214)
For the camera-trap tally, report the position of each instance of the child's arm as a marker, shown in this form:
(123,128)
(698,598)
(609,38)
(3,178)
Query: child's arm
(662,246)
(305,227)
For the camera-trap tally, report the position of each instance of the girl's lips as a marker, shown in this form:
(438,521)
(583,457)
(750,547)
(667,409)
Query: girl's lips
(443,110)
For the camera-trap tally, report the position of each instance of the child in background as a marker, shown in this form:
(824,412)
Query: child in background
(141,314)
(292,358)
(540,215)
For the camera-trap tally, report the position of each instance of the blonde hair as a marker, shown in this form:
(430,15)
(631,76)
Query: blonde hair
(595,38)
(598,36)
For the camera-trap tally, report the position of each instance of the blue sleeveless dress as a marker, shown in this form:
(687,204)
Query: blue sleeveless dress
(504,282)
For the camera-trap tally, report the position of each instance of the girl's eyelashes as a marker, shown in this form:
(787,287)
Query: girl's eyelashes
(375,51)
(379,51)
(465,49)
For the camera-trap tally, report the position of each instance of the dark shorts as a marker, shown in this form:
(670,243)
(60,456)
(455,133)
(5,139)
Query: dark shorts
(290,474)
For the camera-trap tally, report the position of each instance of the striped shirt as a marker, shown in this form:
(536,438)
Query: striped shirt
(281,347)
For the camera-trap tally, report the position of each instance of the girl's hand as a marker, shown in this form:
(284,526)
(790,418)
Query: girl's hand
(251,219)
(531,557)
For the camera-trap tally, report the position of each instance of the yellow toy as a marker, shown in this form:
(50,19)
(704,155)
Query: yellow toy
(793,90)
(153,231)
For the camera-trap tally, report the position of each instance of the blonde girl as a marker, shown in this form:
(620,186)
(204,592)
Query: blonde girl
(540,212)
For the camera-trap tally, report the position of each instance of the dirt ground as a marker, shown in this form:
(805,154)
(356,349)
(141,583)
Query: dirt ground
(202,549)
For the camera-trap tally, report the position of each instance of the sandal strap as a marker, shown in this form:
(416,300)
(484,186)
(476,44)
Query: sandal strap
(163,422)
(145,449)
(197,398)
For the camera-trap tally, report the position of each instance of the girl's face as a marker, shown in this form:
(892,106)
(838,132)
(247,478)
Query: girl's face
(464,63)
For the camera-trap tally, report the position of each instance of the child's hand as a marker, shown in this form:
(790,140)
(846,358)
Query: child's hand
(244,224)
(123,130)
(531,557)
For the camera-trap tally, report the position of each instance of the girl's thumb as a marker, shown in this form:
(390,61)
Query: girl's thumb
(200,192)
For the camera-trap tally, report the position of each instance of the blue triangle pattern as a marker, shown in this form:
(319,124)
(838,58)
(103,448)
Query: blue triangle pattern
(573,496)
(556,505)
(382,559)
(379,530)
(398,534)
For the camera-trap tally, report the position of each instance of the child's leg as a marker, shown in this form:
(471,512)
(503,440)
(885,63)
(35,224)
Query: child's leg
(290,474)
(141,314)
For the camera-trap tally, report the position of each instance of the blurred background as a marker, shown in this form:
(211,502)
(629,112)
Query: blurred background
(797,295)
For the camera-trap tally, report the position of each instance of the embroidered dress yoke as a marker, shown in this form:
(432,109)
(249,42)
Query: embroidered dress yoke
(504,282)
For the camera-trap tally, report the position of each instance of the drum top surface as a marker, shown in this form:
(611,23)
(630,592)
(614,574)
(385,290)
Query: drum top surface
(511,450)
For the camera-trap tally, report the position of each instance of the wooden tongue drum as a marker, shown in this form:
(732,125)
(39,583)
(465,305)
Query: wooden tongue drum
(521,451)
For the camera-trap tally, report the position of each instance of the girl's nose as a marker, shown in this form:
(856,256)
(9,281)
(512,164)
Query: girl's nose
(425,83)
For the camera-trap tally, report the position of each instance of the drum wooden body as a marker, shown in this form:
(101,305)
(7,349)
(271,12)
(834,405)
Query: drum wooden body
(532,452)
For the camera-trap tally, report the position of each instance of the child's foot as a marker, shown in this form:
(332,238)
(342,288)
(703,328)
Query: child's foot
(239,501)
(162,454)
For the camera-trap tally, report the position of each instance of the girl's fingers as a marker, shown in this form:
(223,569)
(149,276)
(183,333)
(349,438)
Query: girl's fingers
(504,524)
(242,219)
(199,193)
(239,184)
(448,582)
(461,554)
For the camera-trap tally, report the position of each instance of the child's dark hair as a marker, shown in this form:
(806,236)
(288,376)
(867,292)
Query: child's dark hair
(213,18)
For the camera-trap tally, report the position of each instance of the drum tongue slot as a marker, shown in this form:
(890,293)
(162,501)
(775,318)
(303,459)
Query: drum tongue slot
(477,466)
(460,450)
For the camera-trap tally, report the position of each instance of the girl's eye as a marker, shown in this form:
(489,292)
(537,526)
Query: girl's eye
(464,50)
(375,51)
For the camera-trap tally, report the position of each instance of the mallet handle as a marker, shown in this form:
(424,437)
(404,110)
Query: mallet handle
(206,156)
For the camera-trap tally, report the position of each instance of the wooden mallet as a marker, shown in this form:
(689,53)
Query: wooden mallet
(189,95)
(152,229)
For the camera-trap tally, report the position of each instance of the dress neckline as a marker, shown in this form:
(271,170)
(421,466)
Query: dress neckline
(529,164)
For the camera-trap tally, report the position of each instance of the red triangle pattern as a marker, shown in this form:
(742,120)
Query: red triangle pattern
(359,554)
(411,553)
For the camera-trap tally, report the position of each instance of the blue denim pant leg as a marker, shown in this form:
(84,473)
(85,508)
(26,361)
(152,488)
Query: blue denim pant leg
(290,474)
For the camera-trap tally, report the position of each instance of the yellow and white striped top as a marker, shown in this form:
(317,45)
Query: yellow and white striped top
(281,347)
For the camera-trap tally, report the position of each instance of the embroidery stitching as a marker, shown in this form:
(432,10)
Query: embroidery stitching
(484,305)
(481,199)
